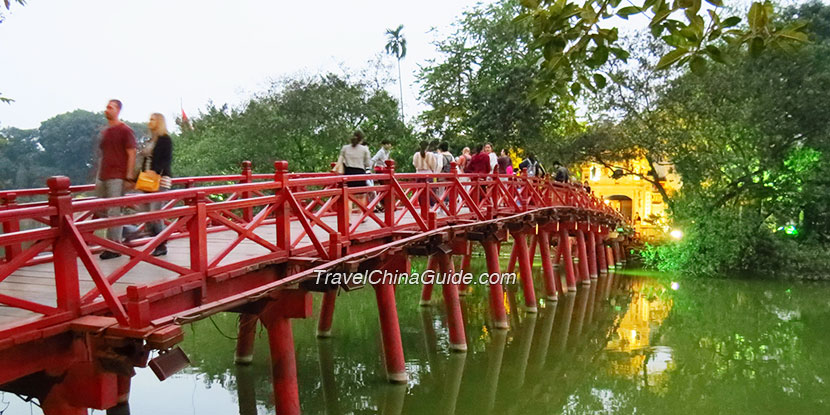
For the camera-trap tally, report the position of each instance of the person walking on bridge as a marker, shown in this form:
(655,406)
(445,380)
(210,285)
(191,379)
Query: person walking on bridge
(157,155)
(355,159)
(115,167)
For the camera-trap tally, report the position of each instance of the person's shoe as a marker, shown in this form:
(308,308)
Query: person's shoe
(109,255)
(160,250)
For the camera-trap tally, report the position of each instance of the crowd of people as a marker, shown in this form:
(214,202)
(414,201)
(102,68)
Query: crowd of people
(122,164)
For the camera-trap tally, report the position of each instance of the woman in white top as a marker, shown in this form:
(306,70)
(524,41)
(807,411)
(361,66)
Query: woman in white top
(355,159)
(423,161)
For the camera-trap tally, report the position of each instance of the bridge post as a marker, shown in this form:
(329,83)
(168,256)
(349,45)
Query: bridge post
(65,258)
(390,329)
(452,189)
(326,313)
(547,266)
(248,212)
(491,252)
(617,253)
(565,244)
(245,339)
(9,201)
(282,212)
(389,200)
(609,250)
(198,238)
(455,320)
(526,271)
(276,317)
(583,257)
(600,247)
(426,289)
(592,252)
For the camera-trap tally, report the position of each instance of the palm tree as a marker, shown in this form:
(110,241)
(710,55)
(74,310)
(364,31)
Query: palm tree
(396,46)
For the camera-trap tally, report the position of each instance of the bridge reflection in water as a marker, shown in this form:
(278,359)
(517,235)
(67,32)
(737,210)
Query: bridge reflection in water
(542,358)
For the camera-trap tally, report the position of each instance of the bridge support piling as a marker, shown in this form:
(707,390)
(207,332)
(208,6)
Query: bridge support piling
(600,247)
(245,339)
(465,267)
(426,290)
(565,246)
(326,314)
(526,271)
(547,266)
(583,258)
(455,320)
(592,254)
(612,261)
(389,328)
(276,317)
(491,253)
(618,254)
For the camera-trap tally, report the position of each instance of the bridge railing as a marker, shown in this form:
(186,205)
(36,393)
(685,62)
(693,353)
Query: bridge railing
(276,216)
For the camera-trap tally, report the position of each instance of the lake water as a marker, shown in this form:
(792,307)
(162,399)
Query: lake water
(635,341)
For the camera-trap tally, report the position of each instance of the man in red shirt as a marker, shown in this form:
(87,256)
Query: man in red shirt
(116,166)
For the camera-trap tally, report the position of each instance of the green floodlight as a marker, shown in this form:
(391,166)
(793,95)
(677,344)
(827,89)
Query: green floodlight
(789,230)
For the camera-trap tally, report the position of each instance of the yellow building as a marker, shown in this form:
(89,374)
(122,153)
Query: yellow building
(637,199)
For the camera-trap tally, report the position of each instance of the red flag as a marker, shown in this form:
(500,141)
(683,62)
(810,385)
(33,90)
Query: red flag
(185,121)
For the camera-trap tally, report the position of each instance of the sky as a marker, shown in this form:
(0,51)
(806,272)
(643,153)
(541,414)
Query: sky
(60,55)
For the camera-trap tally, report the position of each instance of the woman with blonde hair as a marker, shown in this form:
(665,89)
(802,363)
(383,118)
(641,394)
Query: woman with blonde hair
(157,154)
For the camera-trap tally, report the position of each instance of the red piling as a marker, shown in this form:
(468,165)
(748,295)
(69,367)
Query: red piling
(565,244)
(455,321)
(391,333)
(245,339)
(526,271)
(583,257)
(276,319)
(491,252)
(592,255)
(603,265)
(426,290)
(326,313)
(465,267)
(547,266)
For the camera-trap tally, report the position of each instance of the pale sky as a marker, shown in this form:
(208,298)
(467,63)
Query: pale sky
(60,55)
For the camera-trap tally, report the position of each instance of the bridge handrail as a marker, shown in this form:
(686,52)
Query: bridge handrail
(255,200)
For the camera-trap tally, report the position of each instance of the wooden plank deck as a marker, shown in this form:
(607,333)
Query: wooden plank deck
(36,283)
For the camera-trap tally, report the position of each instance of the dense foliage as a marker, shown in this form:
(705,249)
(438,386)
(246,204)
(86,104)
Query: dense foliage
(482,87)
(304,121)
(66,144)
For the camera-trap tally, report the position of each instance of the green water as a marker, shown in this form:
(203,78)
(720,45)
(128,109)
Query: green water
(634,342)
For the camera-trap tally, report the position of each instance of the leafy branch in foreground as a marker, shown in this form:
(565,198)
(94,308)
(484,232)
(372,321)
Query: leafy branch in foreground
(575,43)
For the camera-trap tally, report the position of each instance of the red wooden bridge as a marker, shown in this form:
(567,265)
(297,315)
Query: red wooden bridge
(74,327)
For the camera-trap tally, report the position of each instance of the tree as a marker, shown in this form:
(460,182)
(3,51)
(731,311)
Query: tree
(575,41)
(396,46)
(482,88)
(304,121)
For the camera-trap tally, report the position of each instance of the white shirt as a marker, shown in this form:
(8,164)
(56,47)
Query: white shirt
(439,162)
(494,161)
(379,160)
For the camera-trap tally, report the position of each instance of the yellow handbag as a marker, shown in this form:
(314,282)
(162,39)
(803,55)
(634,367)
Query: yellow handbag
(148,181)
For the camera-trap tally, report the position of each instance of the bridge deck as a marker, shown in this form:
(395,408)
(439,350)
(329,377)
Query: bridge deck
(37,282)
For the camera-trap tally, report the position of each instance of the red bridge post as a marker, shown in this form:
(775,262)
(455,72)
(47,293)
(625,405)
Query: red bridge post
(245,339)
(600,247)
(276,317)
(526,271)
(491,252)
(547,266)
(389,327)
(65,258)
(565,244)
(326,313)
(583,257)
(455,320)
(592,252)
(248,212)
(8,201)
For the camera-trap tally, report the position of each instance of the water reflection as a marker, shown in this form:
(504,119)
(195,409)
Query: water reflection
(627,343)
